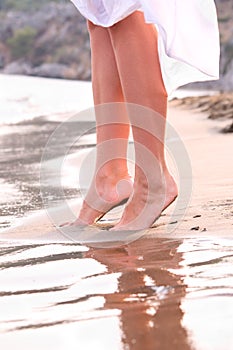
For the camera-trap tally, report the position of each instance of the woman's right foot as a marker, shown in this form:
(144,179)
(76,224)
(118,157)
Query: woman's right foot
(106,191)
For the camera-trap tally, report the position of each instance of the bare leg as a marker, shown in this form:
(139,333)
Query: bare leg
(112,182)
(135,46)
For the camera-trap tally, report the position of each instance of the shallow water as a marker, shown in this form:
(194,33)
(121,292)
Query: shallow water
(151,294)
(154,293)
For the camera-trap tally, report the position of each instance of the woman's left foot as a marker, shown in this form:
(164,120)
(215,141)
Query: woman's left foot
(145,206)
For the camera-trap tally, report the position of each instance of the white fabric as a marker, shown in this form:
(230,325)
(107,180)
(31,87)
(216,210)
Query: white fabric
(188,34)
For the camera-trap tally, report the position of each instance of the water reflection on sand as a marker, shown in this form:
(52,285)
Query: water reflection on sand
(150,294)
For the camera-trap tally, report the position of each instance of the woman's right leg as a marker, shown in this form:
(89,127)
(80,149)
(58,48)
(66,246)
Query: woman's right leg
(111,183)
(135,44)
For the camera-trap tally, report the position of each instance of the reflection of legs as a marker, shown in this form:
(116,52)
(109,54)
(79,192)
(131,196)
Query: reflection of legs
(135,46)
(156,306)
(111,183)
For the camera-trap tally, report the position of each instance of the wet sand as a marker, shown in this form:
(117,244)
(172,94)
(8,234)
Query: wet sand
(155,293)
(165,290)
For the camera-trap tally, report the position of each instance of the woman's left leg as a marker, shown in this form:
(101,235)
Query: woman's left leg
(112,182)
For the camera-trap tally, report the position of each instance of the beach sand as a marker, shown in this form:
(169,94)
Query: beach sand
(216,106)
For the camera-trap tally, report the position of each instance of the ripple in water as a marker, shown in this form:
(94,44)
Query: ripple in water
(150,294)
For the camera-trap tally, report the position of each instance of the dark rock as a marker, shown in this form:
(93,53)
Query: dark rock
(228,129)
(51,70)
(195,228)
(18,67)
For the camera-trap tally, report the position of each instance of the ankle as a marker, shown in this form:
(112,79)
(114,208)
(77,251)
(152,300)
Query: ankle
(113,170)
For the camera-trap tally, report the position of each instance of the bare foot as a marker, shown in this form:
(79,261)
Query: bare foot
(106,192)
(145,206)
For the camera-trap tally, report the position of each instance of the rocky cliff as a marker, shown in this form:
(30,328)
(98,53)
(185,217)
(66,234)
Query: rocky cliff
(51,39)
